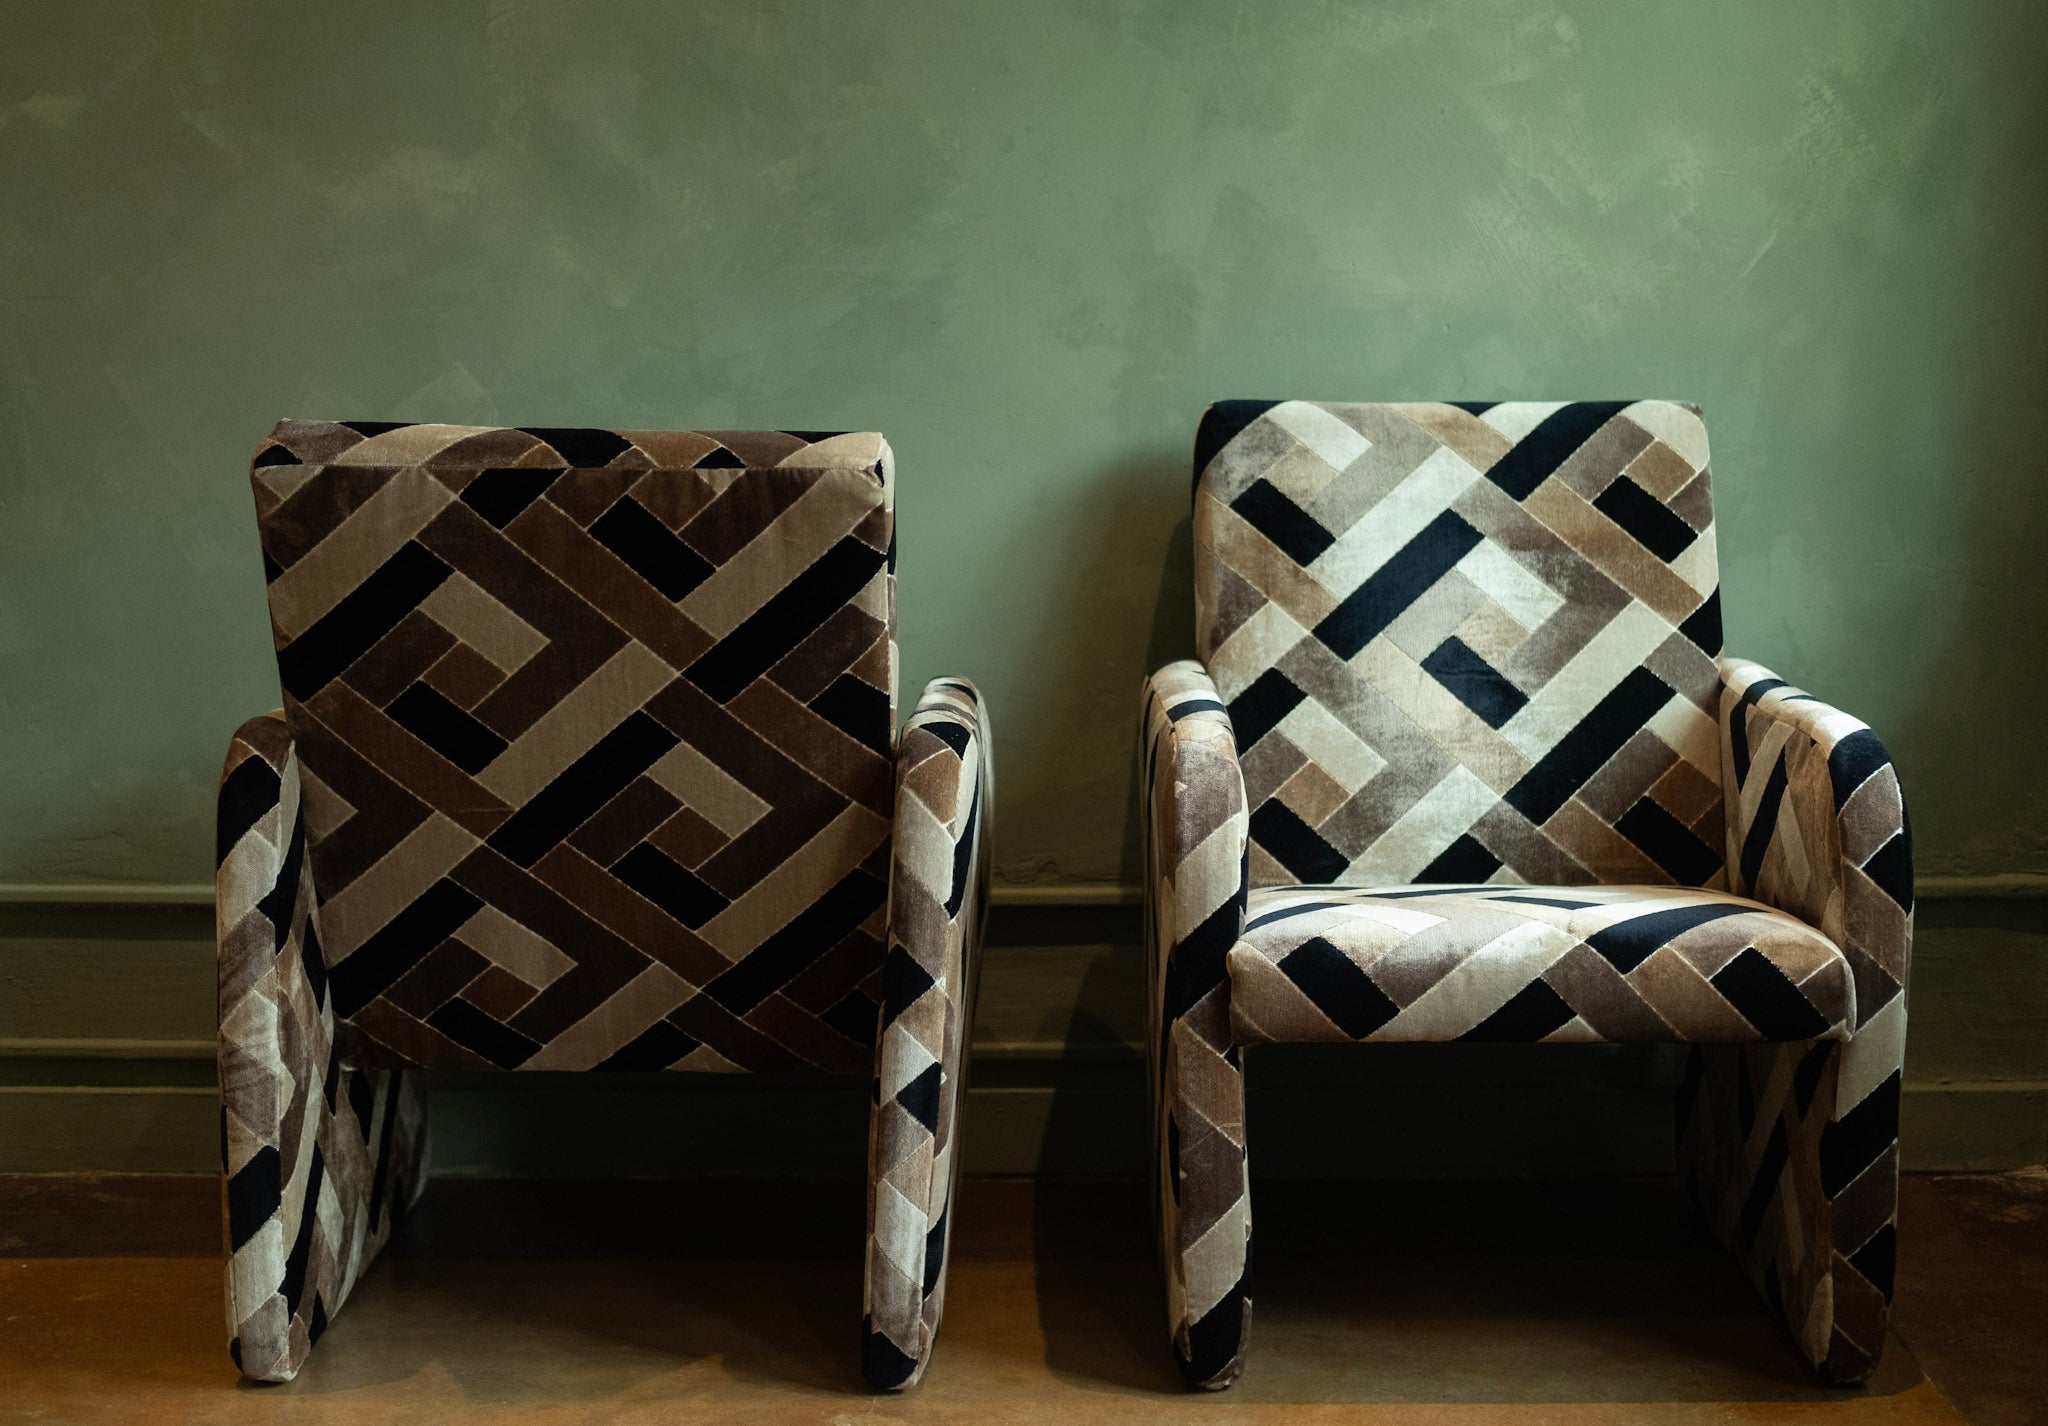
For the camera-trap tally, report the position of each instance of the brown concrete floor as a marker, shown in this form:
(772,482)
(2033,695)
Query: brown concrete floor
(1376,1302)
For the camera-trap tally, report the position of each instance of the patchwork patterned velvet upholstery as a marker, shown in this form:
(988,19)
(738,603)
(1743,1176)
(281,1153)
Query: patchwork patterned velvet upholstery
(1623,964)
(1461,760)
(587,761)
(1503,618)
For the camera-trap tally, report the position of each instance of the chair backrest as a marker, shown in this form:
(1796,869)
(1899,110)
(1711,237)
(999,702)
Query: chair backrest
(1465,641)
(595,734)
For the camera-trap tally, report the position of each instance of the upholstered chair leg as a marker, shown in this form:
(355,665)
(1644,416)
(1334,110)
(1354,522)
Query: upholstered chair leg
(1792,1153)
(319,1161)
(938,900)
(1204,1202)
(1193,805)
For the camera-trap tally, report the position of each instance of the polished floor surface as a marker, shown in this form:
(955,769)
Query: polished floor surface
(654,1302)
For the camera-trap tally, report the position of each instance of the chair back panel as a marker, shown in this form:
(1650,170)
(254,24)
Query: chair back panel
(595,732)
(1463,642)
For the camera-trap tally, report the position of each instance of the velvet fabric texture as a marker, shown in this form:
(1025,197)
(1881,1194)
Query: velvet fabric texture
(1461,760)
(587,761)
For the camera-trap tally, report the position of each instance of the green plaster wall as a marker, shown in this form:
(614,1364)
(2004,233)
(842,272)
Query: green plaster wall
(1028,242)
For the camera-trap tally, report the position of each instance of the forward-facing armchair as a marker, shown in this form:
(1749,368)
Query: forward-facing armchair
(1461,760)
(588,761)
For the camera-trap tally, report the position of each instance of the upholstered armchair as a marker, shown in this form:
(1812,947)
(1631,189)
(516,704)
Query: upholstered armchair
(1461,760)
(587,761)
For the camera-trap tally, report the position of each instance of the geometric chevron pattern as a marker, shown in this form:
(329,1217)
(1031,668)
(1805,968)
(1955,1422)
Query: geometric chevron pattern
(1627,964)
(596,731)
(1465,642)
(319,1161)
(1462,668)
(945,784)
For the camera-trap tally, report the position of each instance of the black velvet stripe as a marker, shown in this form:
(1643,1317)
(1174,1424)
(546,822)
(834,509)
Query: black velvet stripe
(883,1364)
(582,447)
(1703,625)
(1195,966)
(1474,682)
(1193,705)
(1855,1140)
(1627,944)
(1384,595)
(294,1285)
(964,853)
(1221,424)
(1339,987)
(1214,1342)
(1586,748)
(397,946)
(789,617)
(1738,727)
(1853,762)
(315,962)
(1762,995)
(281,902)
(580,789)
(650,549)
(1645,517)
(935,1251)
(1259,709)
(854,1016)
(1297,534)
(255,1192)
(1669,843)
(655,1048)
(246,796)
(358,620)
(668,884)
(1528,1015)
(1878,1260)
(1466,859)
(499,494)
(1891,867)
(1296,845)
(362,1101)
(1532,460)
(387,1132)
(445,727)
(801,940)
(920,1097)
(904,982)
(470,1028)
(1756,842)
(858,709)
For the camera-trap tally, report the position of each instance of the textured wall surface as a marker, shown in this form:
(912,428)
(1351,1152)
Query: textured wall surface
(1029,243)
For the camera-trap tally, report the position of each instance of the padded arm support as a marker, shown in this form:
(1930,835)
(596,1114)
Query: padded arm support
(938,901)
(1792,1150)
(1817,826)
(1193,804)
(319,1160)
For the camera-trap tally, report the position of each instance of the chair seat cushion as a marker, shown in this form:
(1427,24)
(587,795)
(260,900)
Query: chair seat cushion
(1626,964)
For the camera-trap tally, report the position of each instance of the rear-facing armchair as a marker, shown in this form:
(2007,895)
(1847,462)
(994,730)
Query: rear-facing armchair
(1461,760)
(587,761)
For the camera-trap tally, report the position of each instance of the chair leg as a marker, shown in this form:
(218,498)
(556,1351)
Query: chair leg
(318,1161)
(1791,1151)
(1204,1193)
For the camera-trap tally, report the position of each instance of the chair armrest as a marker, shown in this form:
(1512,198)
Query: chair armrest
(1192,806)
(938,901)
(320,1160)
(1817,825)
(1196,834)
